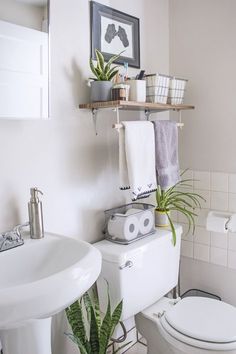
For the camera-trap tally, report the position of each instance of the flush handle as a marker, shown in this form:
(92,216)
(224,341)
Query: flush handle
(127,264)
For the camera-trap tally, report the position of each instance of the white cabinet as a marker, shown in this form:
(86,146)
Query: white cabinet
(23,72)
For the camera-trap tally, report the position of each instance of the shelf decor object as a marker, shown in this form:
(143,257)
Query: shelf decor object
(146,107)
(113,32)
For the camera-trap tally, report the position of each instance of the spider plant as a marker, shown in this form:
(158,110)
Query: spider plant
(182,201)
(95,340)
(102,71)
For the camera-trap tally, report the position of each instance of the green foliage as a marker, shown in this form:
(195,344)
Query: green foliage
(103,72)
(96,339)
(182,201)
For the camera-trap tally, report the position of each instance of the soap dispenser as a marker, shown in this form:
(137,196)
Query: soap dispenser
(35,214)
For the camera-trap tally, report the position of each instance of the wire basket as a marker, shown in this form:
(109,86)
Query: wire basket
(129,223)
(157,88)
(177,90)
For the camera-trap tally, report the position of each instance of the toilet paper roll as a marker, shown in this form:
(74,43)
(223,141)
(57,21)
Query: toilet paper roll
(217,222)
(133,211)
(146,222)
(124,228)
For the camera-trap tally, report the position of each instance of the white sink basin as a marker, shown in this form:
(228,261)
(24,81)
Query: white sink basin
(39,279)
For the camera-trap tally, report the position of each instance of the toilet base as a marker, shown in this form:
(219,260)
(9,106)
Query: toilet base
(160,342)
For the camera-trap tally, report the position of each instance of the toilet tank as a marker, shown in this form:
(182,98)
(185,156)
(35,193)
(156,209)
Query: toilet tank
(139,273)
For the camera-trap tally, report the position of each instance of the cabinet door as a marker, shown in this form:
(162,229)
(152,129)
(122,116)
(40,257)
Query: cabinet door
(23,72)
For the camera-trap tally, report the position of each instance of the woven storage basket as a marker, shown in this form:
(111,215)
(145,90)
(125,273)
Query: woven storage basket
(157,88)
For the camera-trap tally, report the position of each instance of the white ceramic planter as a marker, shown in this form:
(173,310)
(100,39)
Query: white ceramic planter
(161,219)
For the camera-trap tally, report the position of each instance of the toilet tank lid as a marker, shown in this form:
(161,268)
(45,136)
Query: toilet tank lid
(116,253)
(204,319)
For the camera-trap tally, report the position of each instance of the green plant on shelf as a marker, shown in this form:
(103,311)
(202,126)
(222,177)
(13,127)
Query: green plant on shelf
(102,71)
(181,200)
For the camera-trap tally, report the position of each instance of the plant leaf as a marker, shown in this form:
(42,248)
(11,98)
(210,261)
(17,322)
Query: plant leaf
(96,306)
(94,334)
(172,229)
(110,77)
(100,59)
(105,329)
(77,341)
(76,321)
(92,67)
(115,318)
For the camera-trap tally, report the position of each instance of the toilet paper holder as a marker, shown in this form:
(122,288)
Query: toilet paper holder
(218,221)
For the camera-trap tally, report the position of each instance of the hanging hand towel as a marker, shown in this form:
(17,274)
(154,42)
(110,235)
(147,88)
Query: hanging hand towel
(137,158)
(167,161)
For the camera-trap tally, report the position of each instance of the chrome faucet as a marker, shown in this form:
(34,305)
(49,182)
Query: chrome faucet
(12,238)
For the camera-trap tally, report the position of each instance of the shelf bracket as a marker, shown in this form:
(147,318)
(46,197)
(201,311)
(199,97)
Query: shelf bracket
(94,115)
(147,114)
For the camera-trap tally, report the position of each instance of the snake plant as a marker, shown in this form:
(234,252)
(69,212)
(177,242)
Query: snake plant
(102,71)
(95,340)
(182,201)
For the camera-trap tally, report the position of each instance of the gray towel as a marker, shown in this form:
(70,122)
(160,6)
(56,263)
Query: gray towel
(167,161)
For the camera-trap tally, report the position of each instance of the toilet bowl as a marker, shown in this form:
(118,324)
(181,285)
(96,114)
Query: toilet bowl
(141,274)
(193,325)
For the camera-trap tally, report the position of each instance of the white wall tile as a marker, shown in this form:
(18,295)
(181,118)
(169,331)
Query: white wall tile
(202,180)
(174,216)
(232,202)
(232,259)
(201,252)
(219,201)
(232,241)
(219,181)
(218,256)
(219,240)
(206,195)
(181,218)
(232,183)
(201,235)
(188,175)
(201,217)
(187,249)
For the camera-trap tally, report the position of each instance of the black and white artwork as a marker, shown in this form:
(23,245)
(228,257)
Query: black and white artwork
(113,32)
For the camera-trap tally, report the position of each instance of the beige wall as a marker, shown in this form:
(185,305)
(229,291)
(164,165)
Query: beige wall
(203,49)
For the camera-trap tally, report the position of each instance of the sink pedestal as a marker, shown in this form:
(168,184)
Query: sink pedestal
(32,338)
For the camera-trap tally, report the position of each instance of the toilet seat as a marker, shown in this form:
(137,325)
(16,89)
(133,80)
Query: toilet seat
(199,322)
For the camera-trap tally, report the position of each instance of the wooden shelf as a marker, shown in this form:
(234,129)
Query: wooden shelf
(135,106)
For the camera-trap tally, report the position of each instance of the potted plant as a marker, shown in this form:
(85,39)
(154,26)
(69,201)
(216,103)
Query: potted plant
(101,84)
(90,332)
(174,199)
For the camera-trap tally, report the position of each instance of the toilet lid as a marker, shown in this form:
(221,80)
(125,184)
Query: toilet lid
(204,319)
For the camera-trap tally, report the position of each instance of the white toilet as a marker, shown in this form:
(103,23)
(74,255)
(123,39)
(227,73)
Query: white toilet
(141,274)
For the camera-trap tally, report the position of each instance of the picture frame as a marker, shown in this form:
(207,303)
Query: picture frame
(113,32)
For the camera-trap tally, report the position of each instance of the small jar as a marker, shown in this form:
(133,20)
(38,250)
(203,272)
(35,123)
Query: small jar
(120,92)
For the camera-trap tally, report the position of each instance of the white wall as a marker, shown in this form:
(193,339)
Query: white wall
(27,15)
(203,49)
(76,170)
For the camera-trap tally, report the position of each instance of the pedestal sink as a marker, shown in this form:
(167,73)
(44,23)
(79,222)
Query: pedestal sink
(37,280)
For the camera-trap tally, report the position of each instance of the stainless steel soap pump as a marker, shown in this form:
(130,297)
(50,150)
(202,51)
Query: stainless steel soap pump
(35,214)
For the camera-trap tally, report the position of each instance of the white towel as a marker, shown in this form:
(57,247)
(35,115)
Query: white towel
(137,158)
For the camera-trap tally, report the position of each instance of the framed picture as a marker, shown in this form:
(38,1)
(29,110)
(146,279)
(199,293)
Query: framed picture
(113,32)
